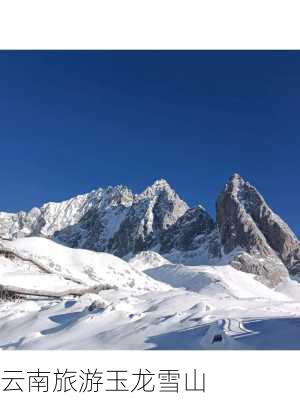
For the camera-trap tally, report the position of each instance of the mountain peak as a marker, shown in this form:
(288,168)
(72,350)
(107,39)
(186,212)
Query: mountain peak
(246,221)
(235,181)
(235,177)
(116,220)
(160,185)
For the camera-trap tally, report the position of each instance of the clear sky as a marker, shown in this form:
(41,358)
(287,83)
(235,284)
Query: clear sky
(74,121)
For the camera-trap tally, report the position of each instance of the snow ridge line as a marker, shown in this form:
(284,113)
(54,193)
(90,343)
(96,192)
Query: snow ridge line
(37,262)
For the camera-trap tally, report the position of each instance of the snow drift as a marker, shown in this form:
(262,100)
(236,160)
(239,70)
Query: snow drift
(40,264)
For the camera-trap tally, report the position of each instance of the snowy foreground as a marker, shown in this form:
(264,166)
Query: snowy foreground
(79,299)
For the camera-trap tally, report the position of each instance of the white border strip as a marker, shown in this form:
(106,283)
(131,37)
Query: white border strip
(155,24)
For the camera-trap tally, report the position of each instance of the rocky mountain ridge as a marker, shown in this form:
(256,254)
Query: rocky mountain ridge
(246,233)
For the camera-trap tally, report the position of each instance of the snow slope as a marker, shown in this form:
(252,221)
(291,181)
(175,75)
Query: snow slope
(168,306)
(57,263)
(147,259)
(222,281)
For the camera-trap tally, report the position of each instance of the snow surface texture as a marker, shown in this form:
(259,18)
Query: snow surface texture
(55,266)
(147,259)
(145,303)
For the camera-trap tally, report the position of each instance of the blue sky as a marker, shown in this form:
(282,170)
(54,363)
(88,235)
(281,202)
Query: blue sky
(74,121)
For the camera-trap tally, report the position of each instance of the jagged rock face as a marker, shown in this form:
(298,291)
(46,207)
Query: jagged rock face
(245,221)
(236,225)
(99,222)
(113,220)
(294,261)
(247,233)
(189,231)
(151,214)
(269,270)
(48,219)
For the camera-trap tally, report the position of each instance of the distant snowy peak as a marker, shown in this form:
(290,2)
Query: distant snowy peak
(158,187)
(112,219)
(49,218)
(164,205)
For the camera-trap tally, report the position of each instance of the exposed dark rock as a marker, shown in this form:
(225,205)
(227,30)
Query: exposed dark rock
(269,271)
(247,233)
(245,221)
(188,232)
(112,220)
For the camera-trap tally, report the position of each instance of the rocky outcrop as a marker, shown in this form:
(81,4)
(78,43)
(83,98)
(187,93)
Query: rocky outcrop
(50,218)
(268,270)
(189,231)
(247,233)
(152,213)
(113,220)
(246,222)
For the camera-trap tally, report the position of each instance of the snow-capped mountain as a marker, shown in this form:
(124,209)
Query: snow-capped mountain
(113,220)
(245,221)
(183,279)
(247,233)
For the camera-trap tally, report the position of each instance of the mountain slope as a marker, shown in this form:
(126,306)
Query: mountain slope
(246,234)
(38,265)
(113,220)
(246,222)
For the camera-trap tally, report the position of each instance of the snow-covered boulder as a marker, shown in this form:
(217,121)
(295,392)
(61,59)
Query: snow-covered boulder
(147,259)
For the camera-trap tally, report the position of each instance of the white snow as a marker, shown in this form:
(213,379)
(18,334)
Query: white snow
(222,281)
(147,259)
(46,284)
(81,267)
(158,306)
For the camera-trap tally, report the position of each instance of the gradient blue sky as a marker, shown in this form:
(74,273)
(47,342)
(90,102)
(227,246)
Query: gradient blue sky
(74,121)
